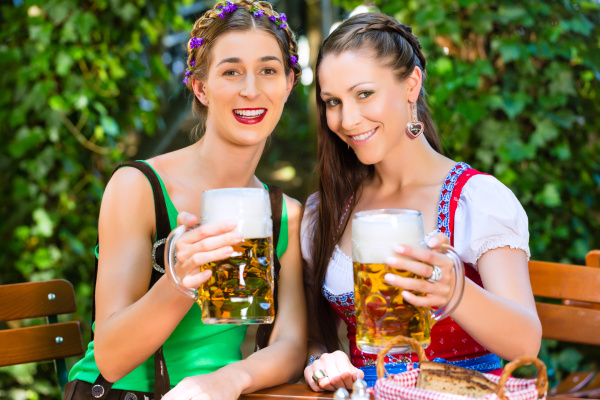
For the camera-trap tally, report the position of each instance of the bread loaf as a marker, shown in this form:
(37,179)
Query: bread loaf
(449,378)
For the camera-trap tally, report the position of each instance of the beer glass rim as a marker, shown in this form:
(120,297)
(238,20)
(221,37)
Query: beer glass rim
(388,211)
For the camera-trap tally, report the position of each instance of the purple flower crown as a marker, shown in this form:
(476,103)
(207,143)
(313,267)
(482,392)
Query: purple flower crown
(228,7)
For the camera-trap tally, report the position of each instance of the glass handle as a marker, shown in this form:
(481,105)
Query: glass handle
(170,262)
(459,285)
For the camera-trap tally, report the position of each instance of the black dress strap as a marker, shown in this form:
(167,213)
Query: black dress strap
(163,228)
(263,333)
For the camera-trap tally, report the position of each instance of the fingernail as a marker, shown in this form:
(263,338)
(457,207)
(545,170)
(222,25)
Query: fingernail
(405,294)
(389,278)
(188,219)
(238,236)
(432,242)
(399,248)
(231,224)
(391,261)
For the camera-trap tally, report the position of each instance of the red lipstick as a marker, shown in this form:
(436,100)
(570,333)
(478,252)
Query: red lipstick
(249,119)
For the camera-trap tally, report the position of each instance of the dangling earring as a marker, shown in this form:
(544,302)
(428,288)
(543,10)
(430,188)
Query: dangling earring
(414,128)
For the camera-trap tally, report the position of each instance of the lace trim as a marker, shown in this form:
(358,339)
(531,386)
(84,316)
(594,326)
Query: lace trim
(501,241)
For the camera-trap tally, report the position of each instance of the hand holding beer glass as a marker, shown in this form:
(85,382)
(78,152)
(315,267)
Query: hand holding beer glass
(240,289)
(382,313)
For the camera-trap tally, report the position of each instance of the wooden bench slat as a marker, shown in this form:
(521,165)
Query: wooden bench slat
(38,343)
(30,300)
(565,281)
(564,323)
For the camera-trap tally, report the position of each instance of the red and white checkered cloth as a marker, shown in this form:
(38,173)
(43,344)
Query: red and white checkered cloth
(403,387)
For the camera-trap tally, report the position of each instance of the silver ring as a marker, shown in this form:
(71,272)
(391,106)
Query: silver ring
(318,375)
(436,275)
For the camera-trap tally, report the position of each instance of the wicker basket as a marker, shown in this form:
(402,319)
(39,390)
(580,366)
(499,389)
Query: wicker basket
(403,386)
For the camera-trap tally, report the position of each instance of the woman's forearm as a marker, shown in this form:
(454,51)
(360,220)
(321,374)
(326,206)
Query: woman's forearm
(504,327)
(280,362)
(126,339)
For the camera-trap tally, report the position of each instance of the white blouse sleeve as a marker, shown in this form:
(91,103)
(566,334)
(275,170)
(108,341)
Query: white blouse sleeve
(488,216)
(307,230)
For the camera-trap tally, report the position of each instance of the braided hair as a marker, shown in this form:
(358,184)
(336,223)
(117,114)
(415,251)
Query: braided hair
(340,172)
(211,25)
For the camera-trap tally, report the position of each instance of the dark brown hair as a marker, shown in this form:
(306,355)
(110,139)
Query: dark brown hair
(210,26)
(340,172)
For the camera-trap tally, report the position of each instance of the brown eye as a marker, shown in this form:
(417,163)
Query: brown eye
(332,102)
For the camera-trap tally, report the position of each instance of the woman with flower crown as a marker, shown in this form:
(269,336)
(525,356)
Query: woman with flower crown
(242,67)
(378,148)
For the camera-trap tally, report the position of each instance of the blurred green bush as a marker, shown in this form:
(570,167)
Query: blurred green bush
(514,89)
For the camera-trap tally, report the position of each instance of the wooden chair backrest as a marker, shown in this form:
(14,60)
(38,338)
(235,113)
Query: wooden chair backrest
(592,258)
(571,323)
(53,341)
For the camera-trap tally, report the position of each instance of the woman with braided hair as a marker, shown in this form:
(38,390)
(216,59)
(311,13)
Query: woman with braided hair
(378,148)
(242,66)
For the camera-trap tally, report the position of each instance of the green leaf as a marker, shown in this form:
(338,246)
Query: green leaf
(511,13)
(514,103)
(58,11)
(109,125)
(57,103)
(545,130)
(511,51)
(63,63)
(43,223)
(549,196)
(25,140)
(563,83)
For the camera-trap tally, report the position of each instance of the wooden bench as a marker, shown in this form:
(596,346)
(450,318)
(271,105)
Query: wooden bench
(576,319)
(52,341)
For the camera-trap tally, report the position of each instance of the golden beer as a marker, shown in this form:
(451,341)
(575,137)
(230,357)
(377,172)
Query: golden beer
(382,313)
(240,289)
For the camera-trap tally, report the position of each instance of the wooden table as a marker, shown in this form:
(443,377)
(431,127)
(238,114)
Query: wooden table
(298,391)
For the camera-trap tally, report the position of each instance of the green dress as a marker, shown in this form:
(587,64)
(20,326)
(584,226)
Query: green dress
(193,348)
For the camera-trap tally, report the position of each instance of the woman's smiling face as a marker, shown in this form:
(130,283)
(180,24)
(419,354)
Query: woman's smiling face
(246,87)
(365,104)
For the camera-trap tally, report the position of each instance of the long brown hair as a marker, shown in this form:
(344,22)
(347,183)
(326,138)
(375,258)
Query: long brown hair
(340,172)
(210,26)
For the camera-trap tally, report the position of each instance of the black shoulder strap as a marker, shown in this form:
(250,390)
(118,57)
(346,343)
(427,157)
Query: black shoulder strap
(263,334)
(163,228)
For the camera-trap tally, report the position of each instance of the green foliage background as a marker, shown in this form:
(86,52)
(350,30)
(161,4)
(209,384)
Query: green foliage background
(516,95)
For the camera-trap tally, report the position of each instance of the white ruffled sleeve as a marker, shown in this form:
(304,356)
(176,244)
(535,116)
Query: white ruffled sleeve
(307,230)
(488,216)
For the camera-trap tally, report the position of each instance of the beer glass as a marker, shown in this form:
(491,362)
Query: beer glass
(240,289)
(381,311)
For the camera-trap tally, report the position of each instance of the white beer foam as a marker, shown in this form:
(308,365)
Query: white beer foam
(251,207)
(374,236)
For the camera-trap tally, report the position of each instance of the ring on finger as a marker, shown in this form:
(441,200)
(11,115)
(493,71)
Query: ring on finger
(436,274)
(318,375)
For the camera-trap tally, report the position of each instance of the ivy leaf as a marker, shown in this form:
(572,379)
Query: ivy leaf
(24,140)
(549,196)
(57,103)
(545,130)
(43,223)
(109,125)
(63,63)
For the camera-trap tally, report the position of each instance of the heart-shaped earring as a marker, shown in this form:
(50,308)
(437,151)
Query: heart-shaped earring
(414,128)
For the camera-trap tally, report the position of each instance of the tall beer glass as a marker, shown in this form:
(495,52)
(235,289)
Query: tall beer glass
(240,289)
(381,311)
